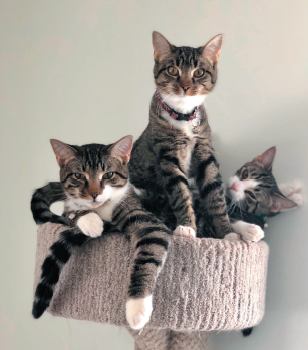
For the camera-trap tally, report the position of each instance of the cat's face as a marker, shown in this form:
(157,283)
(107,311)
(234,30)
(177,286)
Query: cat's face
(185,71)
(93,174)
(255,187)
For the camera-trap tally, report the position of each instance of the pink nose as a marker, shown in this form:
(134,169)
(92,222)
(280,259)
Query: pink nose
(234,187)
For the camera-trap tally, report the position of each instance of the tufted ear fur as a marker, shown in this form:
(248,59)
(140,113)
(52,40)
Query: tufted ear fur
(212,49)
(279,202)
(63,151)
(267,158)
(122,149)
(161,45)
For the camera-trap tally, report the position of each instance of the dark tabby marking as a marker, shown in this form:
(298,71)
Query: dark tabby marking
(42,201)
(165,157)
(94,181)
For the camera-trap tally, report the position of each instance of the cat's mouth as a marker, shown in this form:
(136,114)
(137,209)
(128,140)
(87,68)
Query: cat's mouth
(96,204)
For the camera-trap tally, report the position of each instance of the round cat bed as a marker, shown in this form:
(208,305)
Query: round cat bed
(206,284)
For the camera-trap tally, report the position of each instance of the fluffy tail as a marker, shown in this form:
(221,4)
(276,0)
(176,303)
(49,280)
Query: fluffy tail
(41,201)
(60,252)
(247,331)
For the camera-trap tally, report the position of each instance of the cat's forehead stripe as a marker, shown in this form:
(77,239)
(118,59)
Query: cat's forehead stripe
(186,56)
(93,158)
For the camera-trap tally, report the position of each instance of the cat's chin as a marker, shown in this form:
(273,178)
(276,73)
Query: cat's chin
(183,103)
(96,204)
(93,205)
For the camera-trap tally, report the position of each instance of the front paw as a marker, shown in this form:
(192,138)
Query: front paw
(91,225)
(232,237)
(185,231)
(252,233)
(138,311)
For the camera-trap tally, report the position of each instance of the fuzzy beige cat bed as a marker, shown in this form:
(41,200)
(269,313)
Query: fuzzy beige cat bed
(206,284)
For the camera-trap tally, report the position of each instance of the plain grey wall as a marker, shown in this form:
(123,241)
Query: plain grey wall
(81,71)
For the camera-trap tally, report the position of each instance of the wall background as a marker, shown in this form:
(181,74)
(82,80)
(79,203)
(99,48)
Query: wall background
(81,71)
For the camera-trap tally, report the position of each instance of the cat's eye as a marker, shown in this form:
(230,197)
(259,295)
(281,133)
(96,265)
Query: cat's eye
(108,175)
(172,70)
(198,73)
(79,176)
(244,174)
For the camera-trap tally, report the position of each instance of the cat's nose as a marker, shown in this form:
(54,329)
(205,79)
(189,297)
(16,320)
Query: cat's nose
(94,195)
(234,187)
(185,87)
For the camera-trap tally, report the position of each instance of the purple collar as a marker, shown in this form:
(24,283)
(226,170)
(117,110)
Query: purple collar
(176,115)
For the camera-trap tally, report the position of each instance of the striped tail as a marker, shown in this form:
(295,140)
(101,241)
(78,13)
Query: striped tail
(60,252)
(41,201)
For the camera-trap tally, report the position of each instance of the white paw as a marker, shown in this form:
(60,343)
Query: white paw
(252,233)
(297,198)
(138,311)
(91,225)
(232,237)
(290,188)
(185,231)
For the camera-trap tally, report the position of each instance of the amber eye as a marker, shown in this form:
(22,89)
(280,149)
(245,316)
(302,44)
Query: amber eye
(172,70)
(198,73)
(108,176)
(244,174)
(79,176)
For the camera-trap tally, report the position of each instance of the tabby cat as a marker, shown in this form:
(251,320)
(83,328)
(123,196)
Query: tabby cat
(175,150)
(255,194)
(95,187)
(254,189)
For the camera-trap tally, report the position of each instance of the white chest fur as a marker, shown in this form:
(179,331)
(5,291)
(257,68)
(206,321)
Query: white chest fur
(186,126)
(184,104)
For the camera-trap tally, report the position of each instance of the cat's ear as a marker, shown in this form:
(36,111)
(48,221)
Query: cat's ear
(62,151)
(122,148)
(267,158)
(212,49)
(279,202)
(161,45)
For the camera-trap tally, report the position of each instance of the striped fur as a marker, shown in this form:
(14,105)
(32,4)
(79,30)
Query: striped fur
(60,252)
(169,154)
(254,187)
(252,191)
(41,201)
(123,209)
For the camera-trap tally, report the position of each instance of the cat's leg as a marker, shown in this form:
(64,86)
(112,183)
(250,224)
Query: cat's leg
(175,184)
(248,232)
(293,191)
(151,242)
(151,239)
(209,182)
